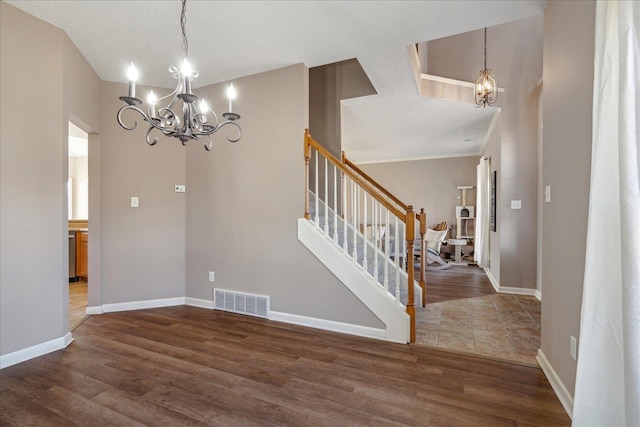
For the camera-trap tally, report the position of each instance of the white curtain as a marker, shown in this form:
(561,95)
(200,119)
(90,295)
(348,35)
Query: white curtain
(607,389)
(481,246)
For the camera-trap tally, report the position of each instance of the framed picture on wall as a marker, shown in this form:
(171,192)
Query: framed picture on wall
(494,183)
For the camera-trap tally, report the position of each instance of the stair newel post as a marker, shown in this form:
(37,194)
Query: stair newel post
(307,156)
(411,308)
(335,204)
(422,218)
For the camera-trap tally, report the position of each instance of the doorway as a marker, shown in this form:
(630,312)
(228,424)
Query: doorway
(78,208)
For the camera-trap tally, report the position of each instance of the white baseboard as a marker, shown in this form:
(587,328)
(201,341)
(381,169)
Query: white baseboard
(136,305)
(329,325)
(199,302)
(25,354)
(509,290)
(492,279)
(556,383)
(94,310)
(538,295)
(517,291)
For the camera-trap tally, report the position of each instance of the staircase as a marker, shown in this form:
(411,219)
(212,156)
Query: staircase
(364,235)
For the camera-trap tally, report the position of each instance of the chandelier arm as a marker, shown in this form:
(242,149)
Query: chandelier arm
(232,123)
(170,118)
(129,107)
(208,145)
(172,94)
(155,138)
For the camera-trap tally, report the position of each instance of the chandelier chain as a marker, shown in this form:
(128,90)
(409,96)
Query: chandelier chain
(485,48)
(183,25)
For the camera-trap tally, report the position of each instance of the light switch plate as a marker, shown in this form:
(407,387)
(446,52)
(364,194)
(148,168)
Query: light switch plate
(547,194)
(180,188)
(135,202)
(516,204)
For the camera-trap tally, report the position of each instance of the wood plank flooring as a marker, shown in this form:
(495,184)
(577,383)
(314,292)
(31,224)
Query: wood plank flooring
(77,302)
(191,366)
(456,282)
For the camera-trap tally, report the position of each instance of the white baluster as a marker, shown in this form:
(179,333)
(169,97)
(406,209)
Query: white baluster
(326,197)
(387,248)
(335,204)
(376,237)
(344,214)
(317,218)
(364,229)
(397,257)
(403,246)
(354,210)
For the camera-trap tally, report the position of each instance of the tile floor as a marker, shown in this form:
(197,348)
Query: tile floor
(77,303)
(501,326)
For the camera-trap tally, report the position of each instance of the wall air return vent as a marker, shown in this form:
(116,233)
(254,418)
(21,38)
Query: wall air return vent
(241,302)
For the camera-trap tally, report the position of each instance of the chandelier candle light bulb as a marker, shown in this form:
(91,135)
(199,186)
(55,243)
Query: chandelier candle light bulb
(187,121)
(132,75)
(231,94)
(151,99)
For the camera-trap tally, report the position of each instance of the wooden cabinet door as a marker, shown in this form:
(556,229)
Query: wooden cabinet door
(82,254)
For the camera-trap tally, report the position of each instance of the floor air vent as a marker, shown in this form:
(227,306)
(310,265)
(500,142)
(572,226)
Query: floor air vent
(240,302)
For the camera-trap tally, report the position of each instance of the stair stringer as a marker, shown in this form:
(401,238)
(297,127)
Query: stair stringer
(390,312)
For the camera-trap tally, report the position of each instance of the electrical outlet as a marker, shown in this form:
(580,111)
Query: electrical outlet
(573,349)
(516,204)
(211,276)
(180,188)
(135,202)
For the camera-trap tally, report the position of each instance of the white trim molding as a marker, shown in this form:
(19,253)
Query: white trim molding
(329,325)
(198,302)
(509,290)
(566,399)
(136,305)
(492,279)
(37,350)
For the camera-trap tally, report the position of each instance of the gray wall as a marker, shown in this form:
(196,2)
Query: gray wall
(514,53)
(143,249)
(328,85)
(569,33)
(429,184)
(243,201)
(38,63)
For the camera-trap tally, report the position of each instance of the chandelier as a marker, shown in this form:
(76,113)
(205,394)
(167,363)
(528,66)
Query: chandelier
(486,89)
(186,116)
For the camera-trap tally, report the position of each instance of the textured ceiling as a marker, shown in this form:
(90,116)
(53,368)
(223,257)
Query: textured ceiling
(231,39)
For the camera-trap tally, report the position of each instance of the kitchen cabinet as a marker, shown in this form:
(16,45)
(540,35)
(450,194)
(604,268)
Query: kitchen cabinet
(82,254)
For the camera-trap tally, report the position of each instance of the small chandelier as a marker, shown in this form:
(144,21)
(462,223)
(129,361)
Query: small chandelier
(186,116)
(486,89)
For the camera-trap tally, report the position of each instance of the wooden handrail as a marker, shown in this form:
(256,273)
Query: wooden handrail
(373,181)
(310,142)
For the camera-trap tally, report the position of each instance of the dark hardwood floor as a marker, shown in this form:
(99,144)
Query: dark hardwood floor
(456,282)
(190,366)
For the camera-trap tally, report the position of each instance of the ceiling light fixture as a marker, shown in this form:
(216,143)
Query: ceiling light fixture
(195,119)
(486,92)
